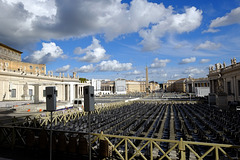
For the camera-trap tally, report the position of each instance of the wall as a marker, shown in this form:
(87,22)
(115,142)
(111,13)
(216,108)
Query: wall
(10,81)
(22,67)
(9,53)
(120,87)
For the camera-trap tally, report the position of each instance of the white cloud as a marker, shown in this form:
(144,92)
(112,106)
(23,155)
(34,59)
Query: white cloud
(204,60)
(49,19)
(154,71)
(211,30)
(228,19)
(208,45)
(191,71)
(135,72)
(49,52)
(94,53)
(163,75)
(114,66)
(140,79)
(173,23)
(63,69)
(39,7)
(158,63)
(85,69)
(175,75)
(188,60)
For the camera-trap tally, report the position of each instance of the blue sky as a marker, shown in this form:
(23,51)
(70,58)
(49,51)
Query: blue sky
(111,39)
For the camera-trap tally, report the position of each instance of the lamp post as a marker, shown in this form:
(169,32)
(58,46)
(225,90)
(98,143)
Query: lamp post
(88,107)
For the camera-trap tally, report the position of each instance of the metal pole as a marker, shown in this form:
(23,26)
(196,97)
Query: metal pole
(89,131)
(51,138)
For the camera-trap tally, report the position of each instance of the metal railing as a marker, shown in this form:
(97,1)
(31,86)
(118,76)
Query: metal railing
(150,143)
(125,148)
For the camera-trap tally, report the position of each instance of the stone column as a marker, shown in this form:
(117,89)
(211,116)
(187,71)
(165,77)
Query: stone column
(71,92)
(77,91)
(66,92)
(36,93)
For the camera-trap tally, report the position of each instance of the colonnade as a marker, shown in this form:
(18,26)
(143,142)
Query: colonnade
(66,91)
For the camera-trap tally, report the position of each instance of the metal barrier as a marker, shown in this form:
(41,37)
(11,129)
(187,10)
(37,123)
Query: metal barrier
(177,145)
(124,147)
(18,136)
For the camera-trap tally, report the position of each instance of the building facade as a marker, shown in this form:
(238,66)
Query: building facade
(154,86)
(17,86)
(225,82)
(107,87)
(175,85)
(9,53)
(27,81)
(135,86)
(199,87)
(120,86)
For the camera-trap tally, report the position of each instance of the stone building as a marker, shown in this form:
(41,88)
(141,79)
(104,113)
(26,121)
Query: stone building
(135,86)
(192,84)
(107,87)
(154,86)
(198,86)
(119,86)
(224,83)
(169,86)
(180,85)
(9,53)
(10,59)
(175,85)
(27,81)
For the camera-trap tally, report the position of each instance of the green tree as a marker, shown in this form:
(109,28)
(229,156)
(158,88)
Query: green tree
(83,80)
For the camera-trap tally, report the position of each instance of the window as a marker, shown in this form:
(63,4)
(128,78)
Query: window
(229,88)
(31,67)
(36,67)
(42,68)
(30,92)
(13,93)
(44,93)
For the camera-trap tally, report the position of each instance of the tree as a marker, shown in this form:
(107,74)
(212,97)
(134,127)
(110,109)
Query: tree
(83,80)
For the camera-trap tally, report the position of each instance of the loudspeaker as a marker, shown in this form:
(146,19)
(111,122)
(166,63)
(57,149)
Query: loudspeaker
(51,94)
(88,98)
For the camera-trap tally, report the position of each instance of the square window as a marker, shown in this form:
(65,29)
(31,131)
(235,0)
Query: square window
(30,92)
(13,93)
(44,93)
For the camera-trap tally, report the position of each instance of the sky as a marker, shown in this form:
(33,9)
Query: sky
(110,39)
